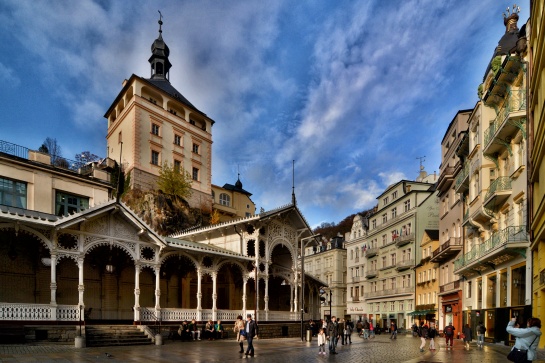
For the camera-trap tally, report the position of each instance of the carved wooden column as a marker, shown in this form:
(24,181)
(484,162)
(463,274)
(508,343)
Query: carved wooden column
(214,295)
(199,294)
(137,270)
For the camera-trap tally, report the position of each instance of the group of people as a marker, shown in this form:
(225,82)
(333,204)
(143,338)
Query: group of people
(365,329)
(191,331)
(331,332)
(246,331)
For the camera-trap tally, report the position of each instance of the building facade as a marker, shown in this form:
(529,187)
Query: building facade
(453,151)
(150,123)
(355,266)
(427,280)
(536,152)
(326,262)
(405,210)
(232,201)
(496,265)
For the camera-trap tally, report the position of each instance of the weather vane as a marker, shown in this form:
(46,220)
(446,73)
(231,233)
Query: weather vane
(422,159)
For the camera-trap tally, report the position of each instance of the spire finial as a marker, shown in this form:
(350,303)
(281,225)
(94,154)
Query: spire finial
(293,200)
(160,22)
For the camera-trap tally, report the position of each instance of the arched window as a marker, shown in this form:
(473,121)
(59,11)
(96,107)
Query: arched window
(225,199)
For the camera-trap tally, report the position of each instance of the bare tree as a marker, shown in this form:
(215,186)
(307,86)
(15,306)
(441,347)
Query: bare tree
(51,147)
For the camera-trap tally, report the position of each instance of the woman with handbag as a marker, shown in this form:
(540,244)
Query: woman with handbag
(526,342)
(241,333)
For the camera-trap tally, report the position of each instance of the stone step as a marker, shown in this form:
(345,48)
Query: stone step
(115,335)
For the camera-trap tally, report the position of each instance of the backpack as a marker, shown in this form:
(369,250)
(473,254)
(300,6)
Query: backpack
(482,329)
(449,330)
(424,332)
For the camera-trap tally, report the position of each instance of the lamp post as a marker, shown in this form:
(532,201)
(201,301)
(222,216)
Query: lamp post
(303,245)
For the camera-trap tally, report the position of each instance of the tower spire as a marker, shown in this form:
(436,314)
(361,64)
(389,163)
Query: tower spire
(160,65)
(293,200)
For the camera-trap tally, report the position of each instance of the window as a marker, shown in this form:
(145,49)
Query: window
(12,193)
(225,199)
(154,157)
(392,306)
(384,218)
(177,165)
(393,259)
(393,283)
(407,205)
(374,223)
(155,129)
(401,305)
(383,261)
(196,148)
(192,122)
(394,195)
(351,292)
(195,174)
(178,140)
(385,200)
(384,239)
(66,204)
(394,213)
(469,289)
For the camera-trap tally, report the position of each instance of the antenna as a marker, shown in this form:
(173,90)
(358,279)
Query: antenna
(422,159)
(293,201)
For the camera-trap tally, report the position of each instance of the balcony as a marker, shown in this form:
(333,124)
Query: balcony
(462,180)
(369,274)
(404,239)
(447,250)
(390,292)
(446,178)
(355,279)
(371,252)
(449,288)
(499,87)
(404,265)
(508,121)
(498,192)
(500,247)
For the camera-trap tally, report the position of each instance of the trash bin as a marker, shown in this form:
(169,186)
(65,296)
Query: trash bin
(309,335)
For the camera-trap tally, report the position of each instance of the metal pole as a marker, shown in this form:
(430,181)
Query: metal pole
(302,287)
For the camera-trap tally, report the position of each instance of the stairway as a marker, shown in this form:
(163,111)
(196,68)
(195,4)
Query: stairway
(111,335)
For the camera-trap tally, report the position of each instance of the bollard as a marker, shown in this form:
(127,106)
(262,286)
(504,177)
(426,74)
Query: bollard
(158,339)
(309,335)
(80,342)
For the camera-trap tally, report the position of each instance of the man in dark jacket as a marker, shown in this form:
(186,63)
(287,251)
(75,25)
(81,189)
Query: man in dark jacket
(251,333)
(332,334)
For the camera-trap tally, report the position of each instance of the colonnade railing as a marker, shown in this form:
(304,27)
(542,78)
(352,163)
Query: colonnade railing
(49,312)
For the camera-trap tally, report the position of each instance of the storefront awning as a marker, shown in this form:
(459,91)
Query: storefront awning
(421,312)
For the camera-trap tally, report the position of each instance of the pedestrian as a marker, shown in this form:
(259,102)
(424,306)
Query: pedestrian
(432,333)
(321,342)
(241,333)
(251,333)
(480,334)
(371,329)
(468,335)
(333,334)
(423,334)
(341,330)
(359,327)
(218,330)
(348,332)
(449,335)
(365,329)
(526,339)
(393,330)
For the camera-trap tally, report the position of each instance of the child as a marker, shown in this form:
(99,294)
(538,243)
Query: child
(321,342)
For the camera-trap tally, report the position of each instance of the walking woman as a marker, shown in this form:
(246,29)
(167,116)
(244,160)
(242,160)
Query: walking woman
(527,339)
(241,333)
(468,335)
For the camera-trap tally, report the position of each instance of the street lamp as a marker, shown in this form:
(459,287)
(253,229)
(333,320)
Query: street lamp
(303,245)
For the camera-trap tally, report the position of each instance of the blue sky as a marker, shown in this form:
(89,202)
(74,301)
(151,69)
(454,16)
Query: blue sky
(353,91)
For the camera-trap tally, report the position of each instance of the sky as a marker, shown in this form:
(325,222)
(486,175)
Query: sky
(355,92)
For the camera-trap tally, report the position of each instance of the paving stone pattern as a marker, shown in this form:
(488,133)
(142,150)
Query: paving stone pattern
(381,349)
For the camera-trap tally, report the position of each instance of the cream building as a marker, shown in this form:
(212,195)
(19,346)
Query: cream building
(327,263)
(427,280)
(536,150)
(496,265)
(232,201)
(355,265)
(150,123)
(454,145)
(405,210)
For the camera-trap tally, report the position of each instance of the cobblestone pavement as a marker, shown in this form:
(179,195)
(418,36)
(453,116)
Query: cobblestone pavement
(380,349)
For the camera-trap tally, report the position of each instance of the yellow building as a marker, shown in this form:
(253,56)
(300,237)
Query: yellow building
(536,169)
(150,123)
(232,201)
(427,281)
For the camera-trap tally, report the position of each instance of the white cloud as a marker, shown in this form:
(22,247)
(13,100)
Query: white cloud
(8,77)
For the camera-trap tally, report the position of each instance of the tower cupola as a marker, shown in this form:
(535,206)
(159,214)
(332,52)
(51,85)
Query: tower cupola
(160,64)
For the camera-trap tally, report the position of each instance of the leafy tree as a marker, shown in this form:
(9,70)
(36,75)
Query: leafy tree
(173,181)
